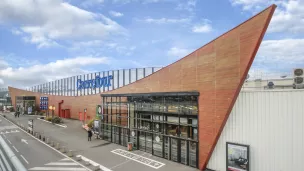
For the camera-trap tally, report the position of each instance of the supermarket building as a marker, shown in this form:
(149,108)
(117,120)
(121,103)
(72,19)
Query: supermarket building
(192,111)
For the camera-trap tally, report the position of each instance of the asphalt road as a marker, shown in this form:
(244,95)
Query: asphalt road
(33,154)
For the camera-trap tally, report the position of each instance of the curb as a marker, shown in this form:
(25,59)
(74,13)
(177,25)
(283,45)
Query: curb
(64,126)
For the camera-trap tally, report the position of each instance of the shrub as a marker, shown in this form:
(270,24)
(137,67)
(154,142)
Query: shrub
(12,109)
(41,113)
(57,120)
(48,119)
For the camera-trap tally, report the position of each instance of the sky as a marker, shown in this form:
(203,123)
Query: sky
(44,40)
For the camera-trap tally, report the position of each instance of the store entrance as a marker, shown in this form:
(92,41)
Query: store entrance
(164,125)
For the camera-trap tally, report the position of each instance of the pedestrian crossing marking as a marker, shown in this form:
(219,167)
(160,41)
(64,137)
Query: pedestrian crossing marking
(65,164)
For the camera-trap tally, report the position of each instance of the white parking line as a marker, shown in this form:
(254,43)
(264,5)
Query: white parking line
(16,149)
(9,141)
(62,164)
(138,158)
(24,159)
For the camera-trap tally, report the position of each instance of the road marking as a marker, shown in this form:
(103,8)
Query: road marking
(94,163)
(58,168)
(15,149)
(23,140)
(140,159)
(65,159)
(48,146)
(62,164)
(9,141)
(7,132)
(63,126)
(24,159)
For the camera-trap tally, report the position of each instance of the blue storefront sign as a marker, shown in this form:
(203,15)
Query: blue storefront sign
(95,83)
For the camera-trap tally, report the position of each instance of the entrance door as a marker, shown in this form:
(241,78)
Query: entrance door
(124,136)
(115,134)
(142,141)
(174,149)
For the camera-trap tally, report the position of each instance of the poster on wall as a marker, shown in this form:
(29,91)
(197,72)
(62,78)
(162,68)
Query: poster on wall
(237,157)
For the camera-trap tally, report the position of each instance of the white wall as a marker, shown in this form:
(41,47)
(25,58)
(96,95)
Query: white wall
(272,123)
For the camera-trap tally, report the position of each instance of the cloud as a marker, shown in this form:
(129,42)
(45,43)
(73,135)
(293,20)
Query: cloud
(16,31)
(90,3)
(165,20)
(178,52)
(279,57)
(116,14)
(188,5)
(203,27)
(141,1)
(282,51)
(3,64)
(40,73)
(48,21)
(248,4)
(288,17)
(1,82)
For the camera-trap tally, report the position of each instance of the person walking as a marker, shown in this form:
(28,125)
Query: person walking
(89,134)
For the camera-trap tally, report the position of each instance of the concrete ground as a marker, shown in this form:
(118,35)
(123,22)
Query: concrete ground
(33,154)
(75,138)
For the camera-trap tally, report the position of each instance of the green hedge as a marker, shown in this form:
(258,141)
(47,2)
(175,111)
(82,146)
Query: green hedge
(57,120)
(48,119)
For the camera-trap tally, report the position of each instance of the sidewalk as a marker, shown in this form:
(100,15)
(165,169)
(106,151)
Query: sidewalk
(74,137)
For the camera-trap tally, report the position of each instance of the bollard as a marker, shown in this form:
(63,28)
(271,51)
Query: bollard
(39,137)
(47,140)
(63,149)
(70,153)
(96,168)
(43,138)
(57,146)
(78,158)
(52,143)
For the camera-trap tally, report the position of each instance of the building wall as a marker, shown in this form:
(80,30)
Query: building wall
(76,104)
(217,71)
(271,122)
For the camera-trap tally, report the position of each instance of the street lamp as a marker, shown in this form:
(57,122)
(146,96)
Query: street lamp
(84,115)
(48,113)
(52,108)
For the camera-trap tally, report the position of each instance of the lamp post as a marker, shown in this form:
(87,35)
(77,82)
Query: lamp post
(48,113)
(53,109)
(84,115)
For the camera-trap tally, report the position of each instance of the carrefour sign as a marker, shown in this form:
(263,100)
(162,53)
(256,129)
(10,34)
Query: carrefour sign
(95,83)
